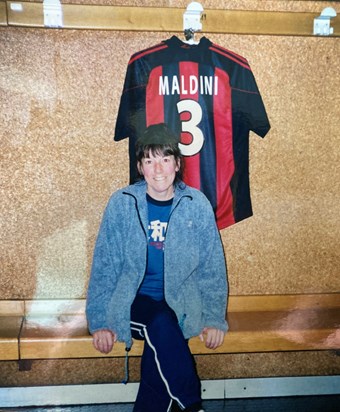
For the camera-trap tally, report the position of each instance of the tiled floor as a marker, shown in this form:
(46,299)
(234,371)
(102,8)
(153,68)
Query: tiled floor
(287,404)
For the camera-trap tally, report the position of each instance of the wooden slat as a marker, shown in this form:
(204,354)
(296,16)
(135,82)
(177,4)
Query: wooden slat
(66,336)
(12,308)
(263,22)
(123,18)
(54,307)
(269,341)
(246,303)
(235,342)
(57,329)
(31,14)
(301,329)
(9,336)
(9,349)
(171,19)
(77,347)
(283,302)
(3,14)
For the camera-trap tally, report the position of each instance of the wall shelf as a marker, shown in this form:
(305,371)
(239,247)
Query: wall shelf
(165,19)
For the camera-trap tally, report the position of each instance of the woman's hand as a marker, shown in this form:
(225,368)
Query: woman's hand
(212,337)
(103,340)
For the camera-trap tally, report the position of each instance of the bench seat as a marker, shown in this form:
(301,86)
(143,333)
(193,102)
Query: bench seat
(257,324)
(57,329)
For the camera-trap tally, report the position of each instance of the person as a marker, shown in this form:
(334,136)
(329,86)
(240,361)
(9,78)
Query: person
(159,274)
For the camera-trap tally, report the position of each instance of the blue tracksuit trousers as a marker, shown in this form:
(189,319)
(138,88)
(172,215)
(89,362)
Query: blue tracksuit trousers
(168,374)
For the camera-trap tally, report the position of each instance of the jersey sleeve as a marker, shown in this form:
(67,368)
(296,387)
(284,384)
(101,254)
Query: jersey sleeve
(131,113)
(248,104)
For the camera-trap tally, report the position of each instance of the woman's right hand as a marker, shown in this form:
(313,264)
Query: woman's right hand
(103,340)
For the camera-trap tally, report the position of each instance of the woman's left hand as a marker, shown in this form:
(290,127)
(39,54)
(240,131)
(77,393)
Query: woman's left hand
(212,337)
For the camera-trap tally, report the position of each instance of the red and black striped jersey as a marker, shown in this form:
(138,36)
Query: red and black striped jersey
(209,96)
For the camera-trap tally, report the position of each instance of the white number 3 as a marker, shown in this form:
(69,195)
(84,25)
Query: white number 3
(190,126)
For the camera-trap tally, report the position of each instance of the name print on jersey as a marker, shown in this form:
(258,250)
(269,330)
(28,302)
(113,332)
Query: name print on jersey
(182,85)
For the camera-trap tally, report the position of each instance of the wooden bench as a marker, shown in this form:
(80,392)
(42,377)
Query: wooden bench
(57,329)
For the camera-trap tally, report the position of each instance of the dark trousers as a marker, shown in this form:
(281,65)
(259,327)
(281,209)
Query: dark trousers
(168,374)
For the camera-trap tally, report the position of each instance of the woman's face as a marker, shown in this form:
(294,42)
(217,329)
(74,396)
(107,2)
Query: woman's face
(159,172)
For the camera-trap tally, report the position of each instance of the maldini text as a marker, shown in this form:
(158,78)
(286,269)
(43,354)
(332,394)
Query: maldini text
(188,85)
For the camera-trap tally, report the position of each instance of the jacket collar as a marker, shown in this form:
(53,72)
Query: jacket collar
(138,190)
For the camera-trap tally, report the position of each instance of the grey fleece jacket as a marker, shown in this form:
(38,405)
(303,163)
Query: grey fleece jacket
(195,275)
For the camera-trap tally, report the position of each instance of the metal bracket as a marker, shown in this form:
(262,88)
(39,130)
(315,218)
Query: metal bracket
(25,365)
(192,20)
(53,13)
(322,24)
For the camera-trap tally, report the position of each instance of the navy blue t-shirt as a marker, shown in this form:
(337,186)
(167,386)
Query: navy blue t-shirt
(153,282)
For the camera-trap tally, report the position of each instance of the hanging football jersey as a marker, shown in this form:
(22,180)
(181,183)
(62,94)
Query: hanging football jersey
(207,95)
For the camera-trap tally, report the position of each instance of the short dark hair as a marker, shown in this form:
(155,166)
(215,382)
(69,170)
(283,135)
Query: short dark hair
(159,140)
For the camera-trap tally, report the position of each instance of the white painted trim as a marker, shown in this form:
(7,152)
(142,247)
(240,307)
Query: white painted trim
(289,386)
(211,389)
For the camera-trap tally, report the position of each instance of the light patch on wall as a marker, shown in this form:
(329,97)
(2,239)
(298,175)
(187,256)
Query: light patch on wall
(27,100)
(61,268)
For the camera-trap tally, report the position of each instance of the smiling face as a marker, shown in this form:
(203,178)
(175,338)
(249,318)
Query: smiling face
(159,172)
